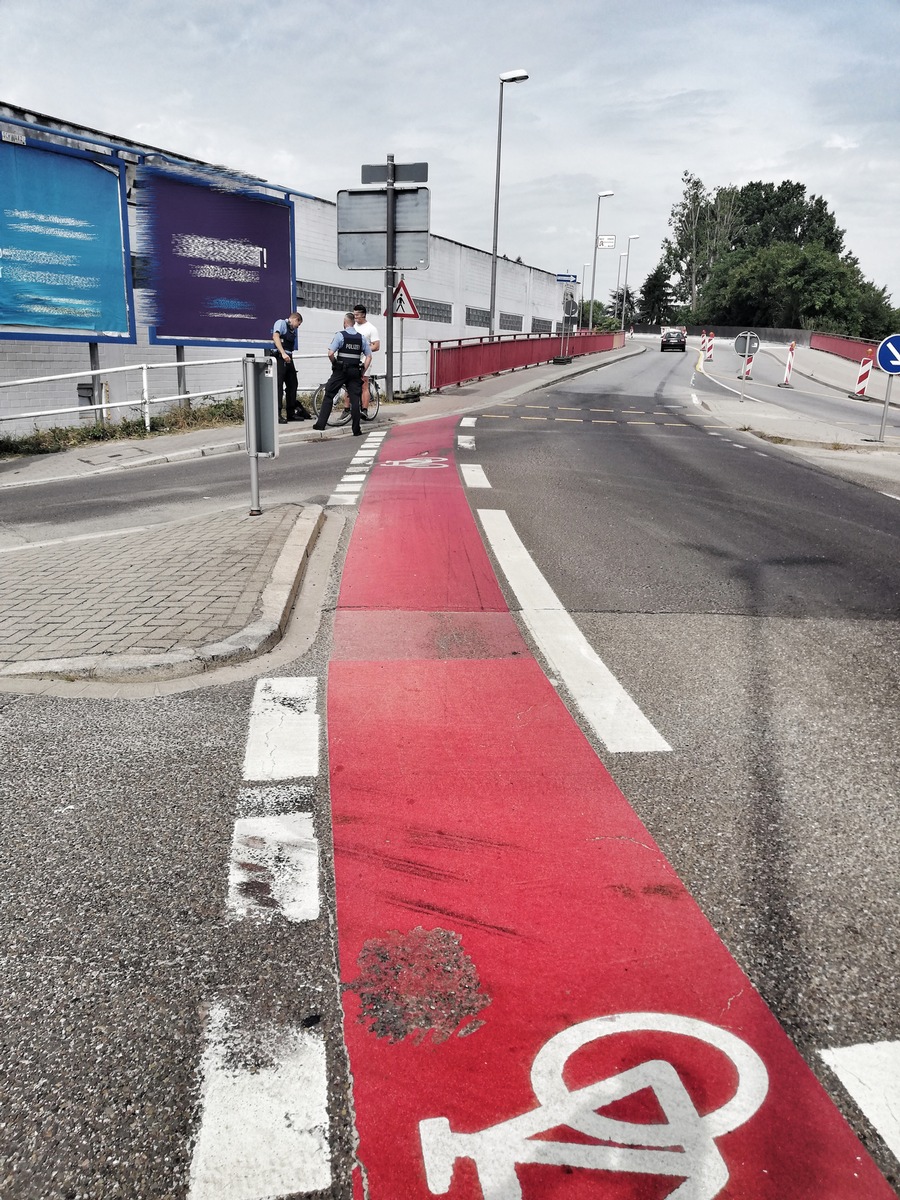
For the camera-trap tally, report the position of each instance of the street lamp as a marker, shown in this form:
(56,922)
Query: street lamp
(518,76)
(618,277)
(583,278)
(633,238)
(594,268)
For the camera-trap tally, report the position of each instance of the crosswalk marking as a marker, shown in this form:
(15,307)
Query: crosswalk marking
(283,740)
(473,475)
(274,868)
(264,1123)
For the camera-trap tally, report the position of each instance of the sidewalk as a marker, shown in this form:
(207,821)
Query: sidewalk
(206,592)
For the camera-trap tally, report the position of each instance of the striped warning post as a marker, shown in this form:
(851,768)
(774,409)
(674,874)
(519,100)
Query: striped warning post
(710,338)
(789,366)
(703,343)
(746,371)
(862,379)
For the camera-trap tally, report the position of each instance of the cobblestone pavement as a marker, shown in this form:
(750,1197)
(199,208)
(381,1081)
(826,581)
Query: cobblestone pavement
(187,584)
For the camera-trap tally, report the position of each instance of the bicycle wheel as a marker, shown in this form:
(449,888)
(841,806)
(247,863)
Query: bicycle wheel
(340,413)
(374,399)
(317,398)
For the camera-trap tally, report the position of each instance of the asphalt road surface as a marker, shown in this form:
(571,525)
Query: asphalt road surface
(747,601)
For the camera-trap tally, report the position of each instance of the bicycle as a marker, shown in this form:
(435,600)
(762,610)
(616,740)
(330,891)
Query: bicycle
(340,412)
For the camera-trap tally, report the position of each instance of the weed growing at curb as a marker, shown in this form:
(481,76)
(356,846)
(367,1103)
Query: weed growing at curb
(229,411)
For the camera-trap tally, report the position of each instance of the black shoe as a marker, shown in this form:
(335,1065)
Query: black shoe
(282,420)
(302,414)
(320,428)
(357,433)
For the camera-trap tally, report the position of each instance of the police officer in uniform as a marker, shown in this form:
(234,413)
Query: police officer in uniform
(284,335)
(347,350)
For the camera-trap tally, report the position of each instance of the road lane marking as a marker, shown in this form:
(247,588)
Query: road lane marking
(574,420)
(890,496)
(473,475)
(497,416)
(545,406)
(606,706)
(283,738)
(468,422)
(274,868)
(264,1124)
(871,1074)
(465,441)
(535,418)
(601,421)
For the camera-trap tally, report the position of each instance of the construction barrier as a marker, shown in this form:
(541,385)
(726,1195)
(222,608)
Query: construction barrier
(862,380)
(703,343)
(710,338)
(786,382)
(746,371)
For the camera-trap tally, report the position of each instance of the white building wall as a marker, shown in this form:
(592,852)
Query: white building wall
(458,276)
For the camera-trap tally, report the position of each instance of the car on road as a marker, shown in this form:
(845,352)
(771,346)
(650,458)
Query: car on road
(673,339)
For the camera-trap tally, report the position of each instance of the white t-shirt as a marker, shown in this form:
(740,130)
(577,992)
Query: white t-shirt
(371,334)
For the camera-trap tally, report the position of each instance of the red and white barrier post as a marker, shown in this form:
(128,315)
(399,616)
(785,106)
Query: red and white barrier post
(746,371)
(703,343)
(862,380)
(786,382)
(710,338)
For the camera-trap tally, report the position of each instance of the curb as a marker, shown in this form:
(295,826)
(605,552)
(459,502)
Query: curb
(276,603)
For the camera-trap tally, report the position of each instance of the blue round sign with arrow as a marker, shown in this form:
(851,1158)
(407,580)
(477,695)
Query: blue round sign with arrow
(888,354)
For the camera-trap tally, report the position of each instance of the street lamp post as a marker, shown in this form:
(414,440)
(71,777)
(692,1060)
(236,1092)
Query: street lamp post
(583,277)
(633,238)
(594,268)
(518,76)
(618,277)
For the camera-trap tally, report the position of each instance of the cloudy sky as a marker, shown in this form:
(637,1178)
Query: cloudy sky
(623,96)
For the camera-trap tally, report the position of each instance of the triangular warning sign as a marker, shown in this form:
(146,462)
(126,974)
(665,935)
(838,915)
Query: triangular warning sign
(404,305)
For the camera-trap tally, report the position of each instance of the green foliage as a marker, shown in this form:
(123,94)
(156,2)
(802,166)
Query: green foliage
(63,437)
(655,300)
(769,255)
(601,321)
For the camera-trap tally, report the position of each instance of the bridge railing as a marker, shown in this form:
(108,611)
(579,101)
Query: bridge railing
(457,360)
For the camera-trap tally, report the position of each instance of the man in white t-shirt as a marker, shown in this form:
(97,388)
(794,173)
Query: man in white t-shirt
(372,336)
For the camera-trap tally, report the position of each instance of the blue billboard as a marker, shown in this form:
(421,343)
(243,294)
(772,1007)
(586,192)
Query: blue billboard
(64,262)
(221,260)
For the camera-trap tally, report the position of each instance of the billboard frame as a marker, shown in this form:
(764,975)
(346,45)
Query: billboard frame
(120,165)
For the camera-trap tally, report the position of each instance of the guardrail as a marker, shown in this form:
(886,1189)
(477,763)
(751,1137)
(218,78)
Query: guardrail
(854,349)
(455,361)
(146,400)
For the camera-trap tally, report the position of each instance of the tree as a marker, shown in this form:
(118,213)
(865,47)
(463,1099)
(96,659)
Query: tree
(655,301)
(617,297)
(769,212)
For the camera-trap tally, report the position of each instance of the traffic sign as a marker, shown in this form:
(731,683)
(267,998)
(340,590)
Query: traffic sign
(888,354)
(403,305)
(403,173)
(606,241)
(570,306)
(746,344)
(567,279)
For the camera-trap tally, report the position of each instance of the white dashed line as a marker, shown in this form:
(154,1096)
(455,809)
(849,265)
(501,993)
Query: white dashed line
(274,868)
(468,422)
(604,703)
(473,476)
(283,739)
(264,1123)
(465,441)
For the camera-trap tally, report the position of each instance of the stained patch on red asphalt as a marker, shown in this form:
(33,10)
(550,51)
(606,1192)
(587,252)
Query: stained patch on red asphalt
(467,800)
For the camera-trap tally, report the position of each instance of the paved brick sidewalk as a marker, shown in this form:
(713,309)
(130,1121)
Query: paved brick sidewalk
(79,606)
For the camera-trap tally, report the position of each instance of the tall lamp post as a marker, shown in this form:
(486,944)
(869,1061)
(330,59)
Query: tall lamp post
(594,267)
(518,76)
(633,238)
(583,278)
(618,278)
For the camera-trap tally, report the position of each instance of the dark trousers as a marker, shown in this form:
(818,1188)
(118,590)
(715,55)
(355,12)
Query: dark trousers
(287,387)
(350,378)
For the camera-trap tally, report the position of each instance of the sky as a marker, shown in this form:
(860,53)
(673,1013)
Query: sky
(622,96)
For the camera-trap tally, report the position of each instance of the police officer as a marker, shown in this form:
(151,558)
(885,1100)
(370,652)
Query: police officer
(284,335)
(346,351)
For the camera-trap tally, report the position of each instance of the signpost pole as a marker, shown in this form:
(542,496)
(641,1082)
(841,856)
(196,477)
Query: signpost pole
(250,431)
(887,405)
(389,282)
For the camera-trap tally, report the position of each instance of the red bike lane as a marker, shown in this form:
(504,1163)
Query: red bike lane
(534,1005)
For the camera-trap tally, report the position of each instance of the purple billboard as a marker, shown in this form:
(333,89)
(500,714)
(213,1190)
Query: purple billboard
(221,261)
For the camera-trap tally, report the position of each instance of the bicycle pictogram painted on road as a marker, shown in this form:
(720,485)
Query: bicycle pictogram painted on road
(683,1146)
(424,461)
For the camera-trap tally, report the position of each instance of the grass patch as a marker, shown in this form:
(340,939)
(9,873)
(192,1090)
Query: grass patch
(229,411)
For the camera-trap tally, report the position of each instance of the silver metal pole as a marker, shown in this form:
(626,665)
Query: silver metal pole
(389,281)
(618,277)
(251,431)
(625,285)
(145,396)
(594,267)
(496,216)
(887,404)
